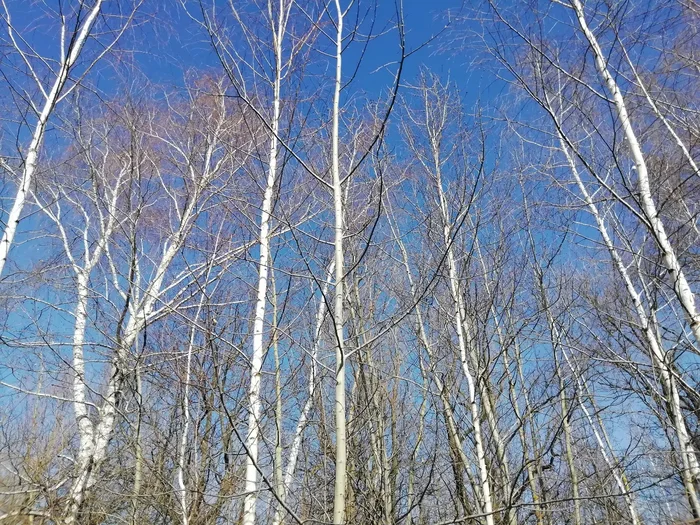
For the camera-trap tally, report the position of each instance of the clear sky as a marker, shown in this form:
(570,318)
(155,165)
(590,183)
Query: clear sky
(178,44)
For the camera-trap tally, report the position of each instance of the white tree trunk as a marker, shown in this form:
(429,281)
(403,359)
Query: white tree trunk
(449,415)
(94,455)
(460,318)
(668,254)
(87,434)
(691,466)
(605,450)
(486,394)
(181,487)
(340,430)
(657,111)
(85,427)
(95,438)
(255,403)
(32,153)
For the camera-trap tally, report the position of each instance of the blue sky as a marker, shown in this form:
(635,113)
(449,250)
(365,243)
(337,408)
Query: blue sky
(179,45)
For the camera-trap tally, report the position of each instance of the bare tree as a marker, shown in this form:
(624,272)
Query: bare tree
(52,80)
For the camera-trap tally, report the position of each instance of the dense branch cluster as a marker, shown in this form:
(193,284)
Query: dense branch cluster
(270,267)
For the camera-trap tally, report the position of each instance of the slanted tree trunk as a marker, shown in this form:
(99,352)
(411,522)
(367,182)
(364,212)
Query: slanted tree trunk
(51,100)
(254,400)
(654,223)
(691,468)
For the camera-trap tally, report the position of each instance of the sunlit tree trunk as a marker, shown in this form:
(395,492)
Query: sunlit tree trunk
(141,307)
(646,201)
(601,437)
(295,447)
(460,319)
(454,439)
(51,100)
(565,409)
(180,482)
(90,437)
(255,402)
(338,317)
(691,467)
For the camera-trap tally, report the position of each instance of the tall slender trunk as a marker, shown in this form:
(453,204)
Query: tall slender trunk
(691,467)
(487,394)
(94,438)
(657,111)
(32,153)
(532,474)
(460,319)
(563,399)
(410,490)
(255,403)
(182,446)
(340,408)
(92,445)
(568,437)
(455,441)
(86,430)
(646,201)
(278,470)
(295,447)
(602,439)
(138,449)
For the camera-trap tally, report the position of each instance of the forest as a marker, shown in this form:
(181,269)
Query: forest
(374,262)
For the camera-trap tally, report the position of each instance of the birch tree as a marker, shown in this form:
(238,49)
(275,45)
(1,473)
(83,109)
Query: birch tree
(92,448)
(433,120)
(264,294)
(48,82)
(278,19)
(563,89)
(144,296)
(648,205)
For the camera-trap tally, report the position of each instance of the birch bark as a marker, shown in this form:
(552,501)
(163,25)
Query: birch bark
(51,100)
(691,466)
(254,401)
(338,317)
(295,447)
(680,285)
